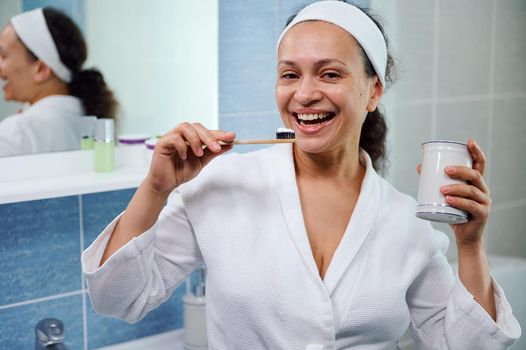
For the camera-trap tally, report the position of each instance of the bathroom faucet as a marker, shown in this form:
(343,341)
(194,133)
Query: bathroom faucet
(49,335)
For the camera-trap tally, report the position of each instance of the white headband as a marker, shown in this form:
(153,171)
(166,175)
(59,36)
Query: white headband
(32,30)
(352,20)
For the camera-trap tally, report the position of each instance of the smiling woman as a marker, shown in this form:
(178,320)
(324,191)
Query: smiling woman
(311,233)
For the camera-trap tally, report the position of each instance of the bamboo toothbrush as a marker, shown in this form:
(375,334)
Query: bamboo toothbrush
(256,142)
(283,135)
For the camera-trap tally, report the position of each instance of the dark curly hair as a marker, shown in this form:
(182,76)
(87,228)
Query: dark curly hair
(87,84)
(374,129)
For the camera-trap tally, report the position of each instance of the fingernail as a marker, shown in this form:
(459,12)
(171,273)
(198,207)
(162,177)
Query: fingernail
(215,146)
(445,189)
(450,170)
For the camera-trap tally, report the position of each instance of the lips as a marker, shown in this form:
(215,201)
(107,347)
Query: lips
(313,118)
(311,122)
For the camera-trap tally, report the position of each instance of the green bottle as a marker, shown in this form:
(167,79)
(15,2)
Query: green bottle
(104,152)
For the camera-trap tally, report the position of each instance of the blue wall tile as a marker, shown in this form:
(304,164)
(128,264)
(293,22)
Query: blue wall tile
(247,62)
(257,126)
(99,209)
(18,323)
(105,331)
(39,249)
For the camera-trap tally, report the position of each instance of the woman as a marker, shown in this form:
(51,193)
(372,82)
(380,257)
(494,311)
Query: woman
(41,57)
(306,246)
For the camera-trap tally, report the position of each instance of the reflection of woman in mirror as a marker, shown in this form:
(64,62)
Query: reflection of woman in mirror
(41,56)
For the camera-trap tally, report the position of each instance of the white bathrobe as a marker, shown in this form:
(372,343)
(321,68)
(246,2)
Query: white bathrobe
(242,216)
(51,124)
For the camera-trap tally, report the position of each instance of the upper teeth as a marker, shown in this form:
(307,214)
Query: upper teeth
(312,116)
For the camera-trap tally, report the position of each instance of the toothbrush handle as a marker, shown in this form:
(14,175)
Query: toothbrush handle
(256,142)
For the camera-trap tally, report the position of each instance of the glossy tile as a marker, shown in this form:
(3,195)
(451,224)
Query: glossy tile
(99,209)
(411,127)
(464,47)
(105,331)
(247,55)
(510,46)
(508,159)
(17,330)
(413,45)
(505,232)
(459,121)
(39,250)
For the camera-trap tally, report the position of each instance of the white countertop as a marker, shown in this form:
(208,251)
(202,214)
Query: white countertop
(59,174)
(172,340)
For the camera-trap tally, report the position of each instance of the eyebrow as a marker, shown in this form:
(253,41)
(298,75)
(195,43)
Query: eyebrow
(318,63)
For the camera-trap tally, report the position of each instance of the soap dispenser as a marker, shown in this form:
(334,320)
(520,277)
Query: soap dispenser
(104,153)
(194,312)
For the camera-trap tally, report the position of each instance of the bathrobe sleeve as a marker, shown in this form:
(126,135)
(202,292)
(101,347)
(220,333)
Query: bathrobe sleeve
(456,320)
(143,273)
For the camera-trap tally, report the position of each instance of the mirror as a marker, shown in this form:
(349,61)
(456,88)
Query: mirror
(160,58)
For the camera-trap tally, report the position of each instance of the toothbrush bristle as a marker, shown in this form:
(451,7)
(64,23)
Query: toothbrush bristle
(284,134)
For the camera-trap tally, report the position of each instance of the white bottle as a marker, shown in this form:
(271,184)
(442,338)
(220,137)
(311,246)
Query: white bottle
(194,313)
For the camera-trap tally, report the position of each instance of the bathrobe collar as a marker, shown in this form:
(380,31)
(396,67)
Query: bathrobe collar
(358,228)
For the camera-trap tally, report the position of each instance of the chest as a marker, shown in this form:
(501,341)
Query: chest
(326,212)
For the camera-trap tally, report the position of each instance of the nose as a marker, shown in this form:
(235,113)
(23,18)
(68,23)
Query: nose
(307,91)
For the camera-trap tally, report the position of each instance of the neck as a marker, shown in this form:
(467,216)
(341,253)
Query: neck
(50,88)
(341,165)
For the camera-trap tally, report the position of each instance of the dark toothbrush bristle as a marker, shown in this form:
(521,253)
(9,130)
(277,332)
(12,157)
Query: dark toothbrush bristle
(285,135)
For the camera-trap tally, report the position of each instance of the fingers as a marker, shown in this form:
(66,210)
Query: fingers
(479,159)
(419,168)
(478,211)
(195,137)
(467,192)
(471,176)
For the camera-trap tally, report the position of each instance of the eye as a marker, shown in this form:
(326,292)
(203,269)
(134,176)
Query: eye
(289,75)
(330,75)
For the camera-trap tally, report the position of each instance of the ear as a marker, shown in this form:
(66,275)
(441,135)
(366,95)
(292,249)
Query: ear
(376,93)
(41,72)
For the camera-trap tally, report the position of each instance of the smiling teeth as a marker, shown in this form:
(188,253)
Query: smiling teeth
(312,116)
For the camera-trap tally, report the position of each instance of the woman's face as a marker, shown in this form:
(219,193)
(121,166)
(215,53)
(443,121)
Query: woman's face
(16,67)
(322,90)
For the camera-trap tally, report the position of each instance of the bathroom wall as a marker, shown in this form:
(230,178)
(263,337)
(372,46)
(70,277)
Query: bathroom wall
(461,74)
(40,273)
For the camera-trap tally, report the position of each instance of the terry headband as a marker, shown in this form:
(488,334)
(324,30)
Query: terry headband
(352,20)
(32,30)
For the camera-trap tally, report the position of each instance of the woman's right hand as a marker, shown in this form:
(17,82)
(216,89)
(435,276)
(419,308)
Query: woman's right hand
(182,153)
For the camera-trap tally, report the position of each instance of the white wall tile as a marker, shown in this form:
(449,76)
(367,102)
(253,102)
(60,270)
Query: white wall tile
(459,121)
(413,46)
(506,231)
(510,54)
(411,127)
(508,158)
(464,47)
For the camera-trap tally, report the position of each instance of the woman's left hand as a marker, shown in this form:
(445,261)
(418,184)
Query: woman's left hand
(473,197)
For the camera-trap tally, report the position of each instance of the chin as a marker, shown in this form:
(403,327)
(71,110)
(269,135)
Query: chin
(311,145)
